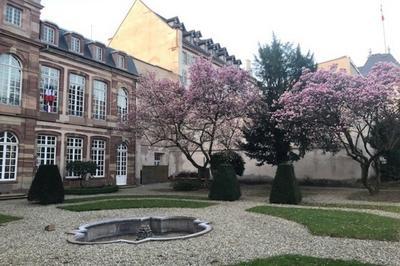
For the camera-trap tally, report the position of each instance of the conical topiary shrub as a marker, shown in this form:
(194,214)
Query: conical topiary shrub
(285,189)
(225,185)
(47,186)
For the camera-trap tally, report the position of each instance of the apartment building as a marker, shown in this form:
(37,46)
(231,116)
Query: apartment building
(62,98)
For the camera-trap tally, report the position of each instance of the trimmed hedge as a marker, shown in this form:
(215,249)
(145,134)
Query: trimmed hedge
(186,184)
(47,186)
(91,190)
(225,185)
(285,189)
(228,157)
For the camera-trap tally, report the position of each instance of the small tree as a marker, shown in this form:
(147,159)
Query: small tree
(331,110)
(47,186)
(225,185)
(85,170)
(205,115)
(228,157)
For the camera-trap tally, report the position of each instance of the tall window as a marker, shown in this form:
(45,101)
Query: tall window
(122,162)
(98,156)
(49,86)
(98,53)
(46,149)
(185,58)
(121,61)
(10,79)
(122,103)
(76,95)
(8,156)
(99,100)
(13,15)
(75,45)
(74,152)
(48,34)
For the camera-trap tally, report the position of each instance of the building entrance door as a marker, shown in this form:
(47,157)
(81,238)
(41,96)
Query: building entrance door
(122,163)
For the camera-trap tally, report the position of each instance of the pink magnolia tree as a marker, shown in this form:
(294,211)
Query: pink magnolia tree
(332,110)
(206,115)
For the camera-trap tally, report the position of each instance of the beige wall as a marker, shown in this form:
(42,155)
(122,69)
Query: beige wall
(146,36)
(343,62)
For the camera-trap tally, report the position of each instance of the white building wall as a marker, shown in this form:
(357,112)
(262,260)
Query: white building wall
(315,165)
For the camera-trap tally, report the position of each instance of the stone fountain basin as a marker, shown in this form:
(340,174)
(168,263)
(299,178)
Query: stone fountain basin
(124,230)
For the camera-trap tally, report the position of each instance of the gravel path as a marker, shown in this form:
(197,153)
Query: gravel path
(237,236)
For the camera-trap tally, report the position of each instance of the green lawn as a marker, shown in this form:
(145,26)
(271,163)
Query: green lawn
(338,223)
(85,199)
(135,203)
(290,260)
(7,218)
(395,209)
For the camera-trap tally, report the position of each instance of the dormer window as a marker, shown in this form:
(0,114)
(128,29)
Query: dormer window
(75,44)
(13,15)
(48,35)
(121,61)
(98,53)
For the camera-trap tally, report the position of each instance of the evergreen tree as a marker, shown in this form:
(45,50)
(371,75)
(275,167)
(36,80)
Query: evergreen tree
(278,67)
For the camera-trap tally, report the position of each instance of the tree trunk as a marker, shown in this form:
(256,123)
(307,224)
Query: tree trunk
(365,179)
(377,167)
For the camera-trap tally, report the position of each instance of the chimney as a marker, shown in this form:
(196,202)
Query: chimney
(248,66)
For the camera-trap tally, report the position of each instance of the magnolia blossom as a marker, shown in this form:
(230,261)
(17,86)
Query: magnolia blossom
(332,110)
(205,115)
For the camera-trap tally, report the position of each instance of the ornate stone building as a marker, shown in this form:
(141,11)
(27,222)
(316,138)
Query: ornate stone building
(62,98)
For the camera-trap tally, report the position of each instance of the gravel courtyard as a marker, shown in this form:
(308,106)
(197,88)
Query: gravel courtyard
(237,236)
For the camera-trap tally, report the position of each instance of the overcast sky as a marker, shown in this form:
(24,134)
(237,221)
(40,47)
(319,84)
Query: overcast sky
(329,28)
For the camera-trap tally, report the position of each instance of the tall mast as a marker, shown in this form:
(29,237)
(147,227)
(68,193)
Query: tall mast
(383,29)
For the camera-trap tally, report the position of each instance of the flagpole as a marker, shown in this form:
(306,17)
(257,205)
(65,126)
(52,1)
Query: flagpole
(383,29)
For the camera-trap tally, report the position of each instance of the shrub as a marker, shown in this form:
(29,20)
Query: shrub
(91,190)
(186,174)
(186,184)
(285,189)
(47,186)
(82,169)
(390,170)
(225,185)
(229,157)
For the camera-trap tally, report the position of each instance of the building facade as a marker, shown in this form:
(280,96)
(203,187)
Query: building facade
(62,98)
(165,47)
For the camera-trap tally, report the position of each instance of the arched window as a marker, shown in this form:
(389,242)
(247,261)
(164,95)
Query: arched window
(10,79)
(122,103)
(8,156)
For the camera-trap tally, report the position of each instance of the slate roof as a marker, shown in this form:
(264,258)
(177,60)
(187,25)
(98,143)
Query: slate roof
(175,23)
(376,58)
(107,52)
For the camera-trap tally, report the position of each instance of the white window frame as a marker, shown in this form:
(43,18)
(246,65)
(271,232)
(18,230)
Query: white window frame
(76,95)
(121,61)
(49,77)
(98,53)
(122,160)
(75,44)
(158,158)
(98,155)
(123,98)
(10,73)
(13,15)
(74,153)
(48,34)
(8,142)
(99,100)
(46,150)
